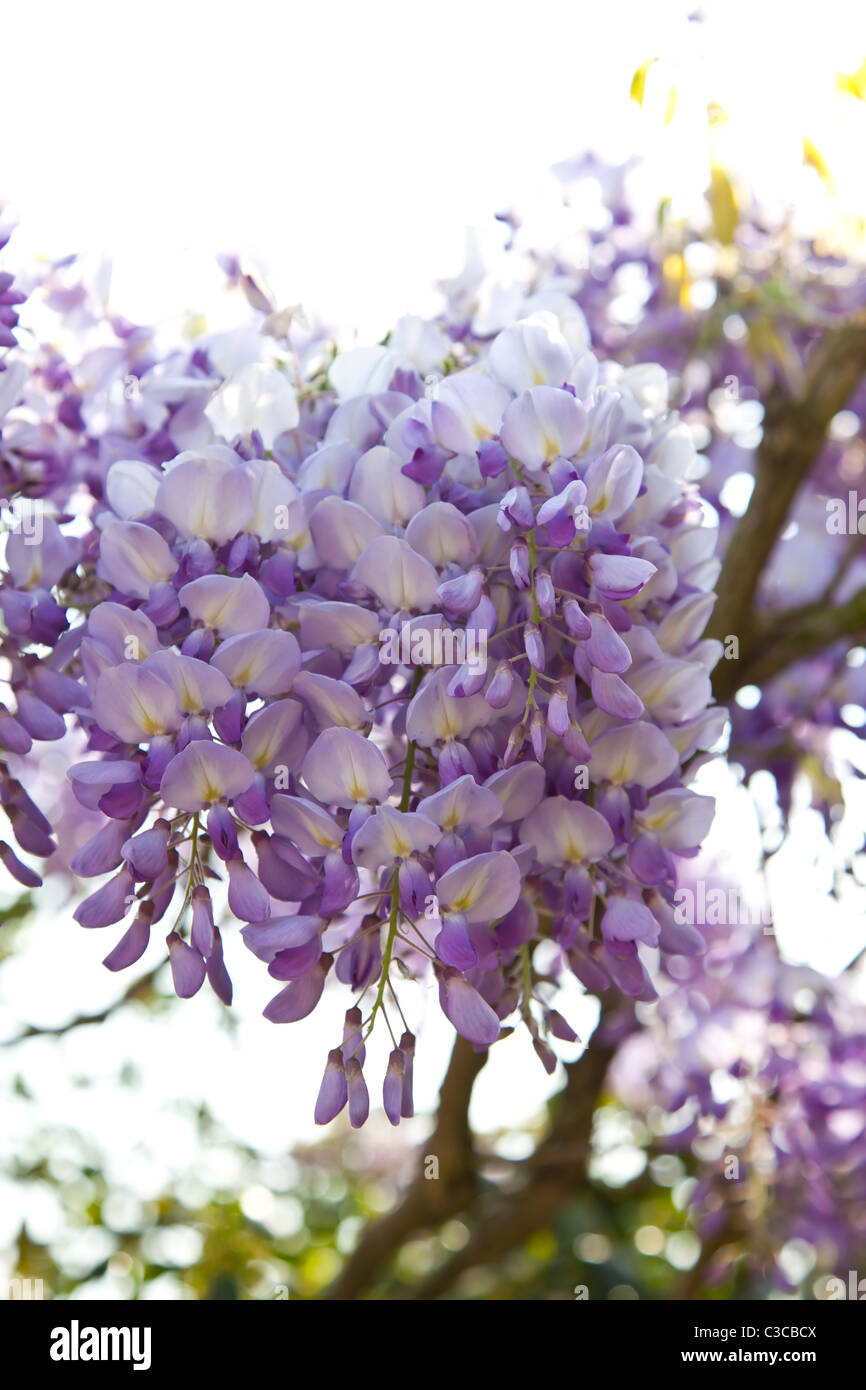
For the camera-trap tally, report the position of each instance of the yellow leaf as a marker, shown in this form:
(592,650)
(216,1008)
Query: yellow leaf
(854,83)
(637,91)
(671,104)
(723,205)
(813,159)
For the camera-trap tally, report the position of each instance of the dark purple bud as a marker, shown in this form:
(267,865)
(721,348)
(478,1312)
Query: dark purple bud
(363,667)
(61,692)
(615,697)
(134,942)
(359,1097)
(147,852)
(462,1004)
(467,680)
(514,746)
(534,646)
(649,862)
(461,595)
(200,643)
(285,874)
(559,1028)
(122,801)
(38,718)
(198,561)
(546,1054)
(455,761)
(162,605)
(558,717)
(102,853)
(538,734)
(333,1092)
(243,554)
(162,892)
(576,620)
(515,509)
(353,1042)
(454,945)
(518,563)
(448,852)
(359,964)
(108,904)
(483,617)
(19,871)
(492,458)
(577,892)
(223,833)
(415,888)
(29,834)
(159,755)
(277,573)
(483,747)
(605,648)
(392,1088)
(296,961)
(544,593)
(426,464)
(194,726)
(407,1047)
(13,794)
(13,735)
(248,900)
(202,932)
(252,805)
(187,967)
(498,692)
(18,609)
(341,883)
(217,975)
(300,997)
(574,743)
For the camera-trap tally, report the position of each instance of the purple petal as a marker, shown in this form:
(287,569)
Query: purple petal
(470,1014)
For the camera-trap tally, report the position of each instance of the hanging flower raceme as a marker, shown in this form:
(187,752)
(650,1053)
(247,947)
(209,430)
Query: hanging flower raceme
(414,679)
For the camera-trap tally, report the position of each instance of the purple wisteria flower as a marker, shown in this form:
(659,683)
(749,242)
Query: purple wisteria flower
(412,679)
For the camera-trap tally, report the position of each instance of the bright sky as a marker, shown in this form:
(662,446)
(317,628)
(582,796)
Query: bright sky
(348,147)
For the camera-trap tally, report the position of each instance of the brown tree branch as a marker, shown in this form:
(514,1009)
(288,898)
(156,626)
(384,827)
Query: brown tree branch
(546,1180)
(427,1202)
(786,637)
(139,989)
(795,428)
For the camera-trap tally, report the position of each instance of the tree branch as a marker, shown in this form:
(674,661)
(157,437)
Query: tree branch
(795,427)
(786,637)
(547,1180)
(139,989)
(427,1202)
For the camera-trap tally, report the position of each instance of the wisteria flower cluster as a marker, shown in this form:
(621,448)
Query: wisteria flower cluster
(733,313)
(760,1065)
(400,648)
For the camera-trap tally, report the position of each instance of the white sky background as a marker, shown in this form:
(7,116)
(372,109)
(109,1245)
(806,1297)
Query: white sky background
(347,147)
